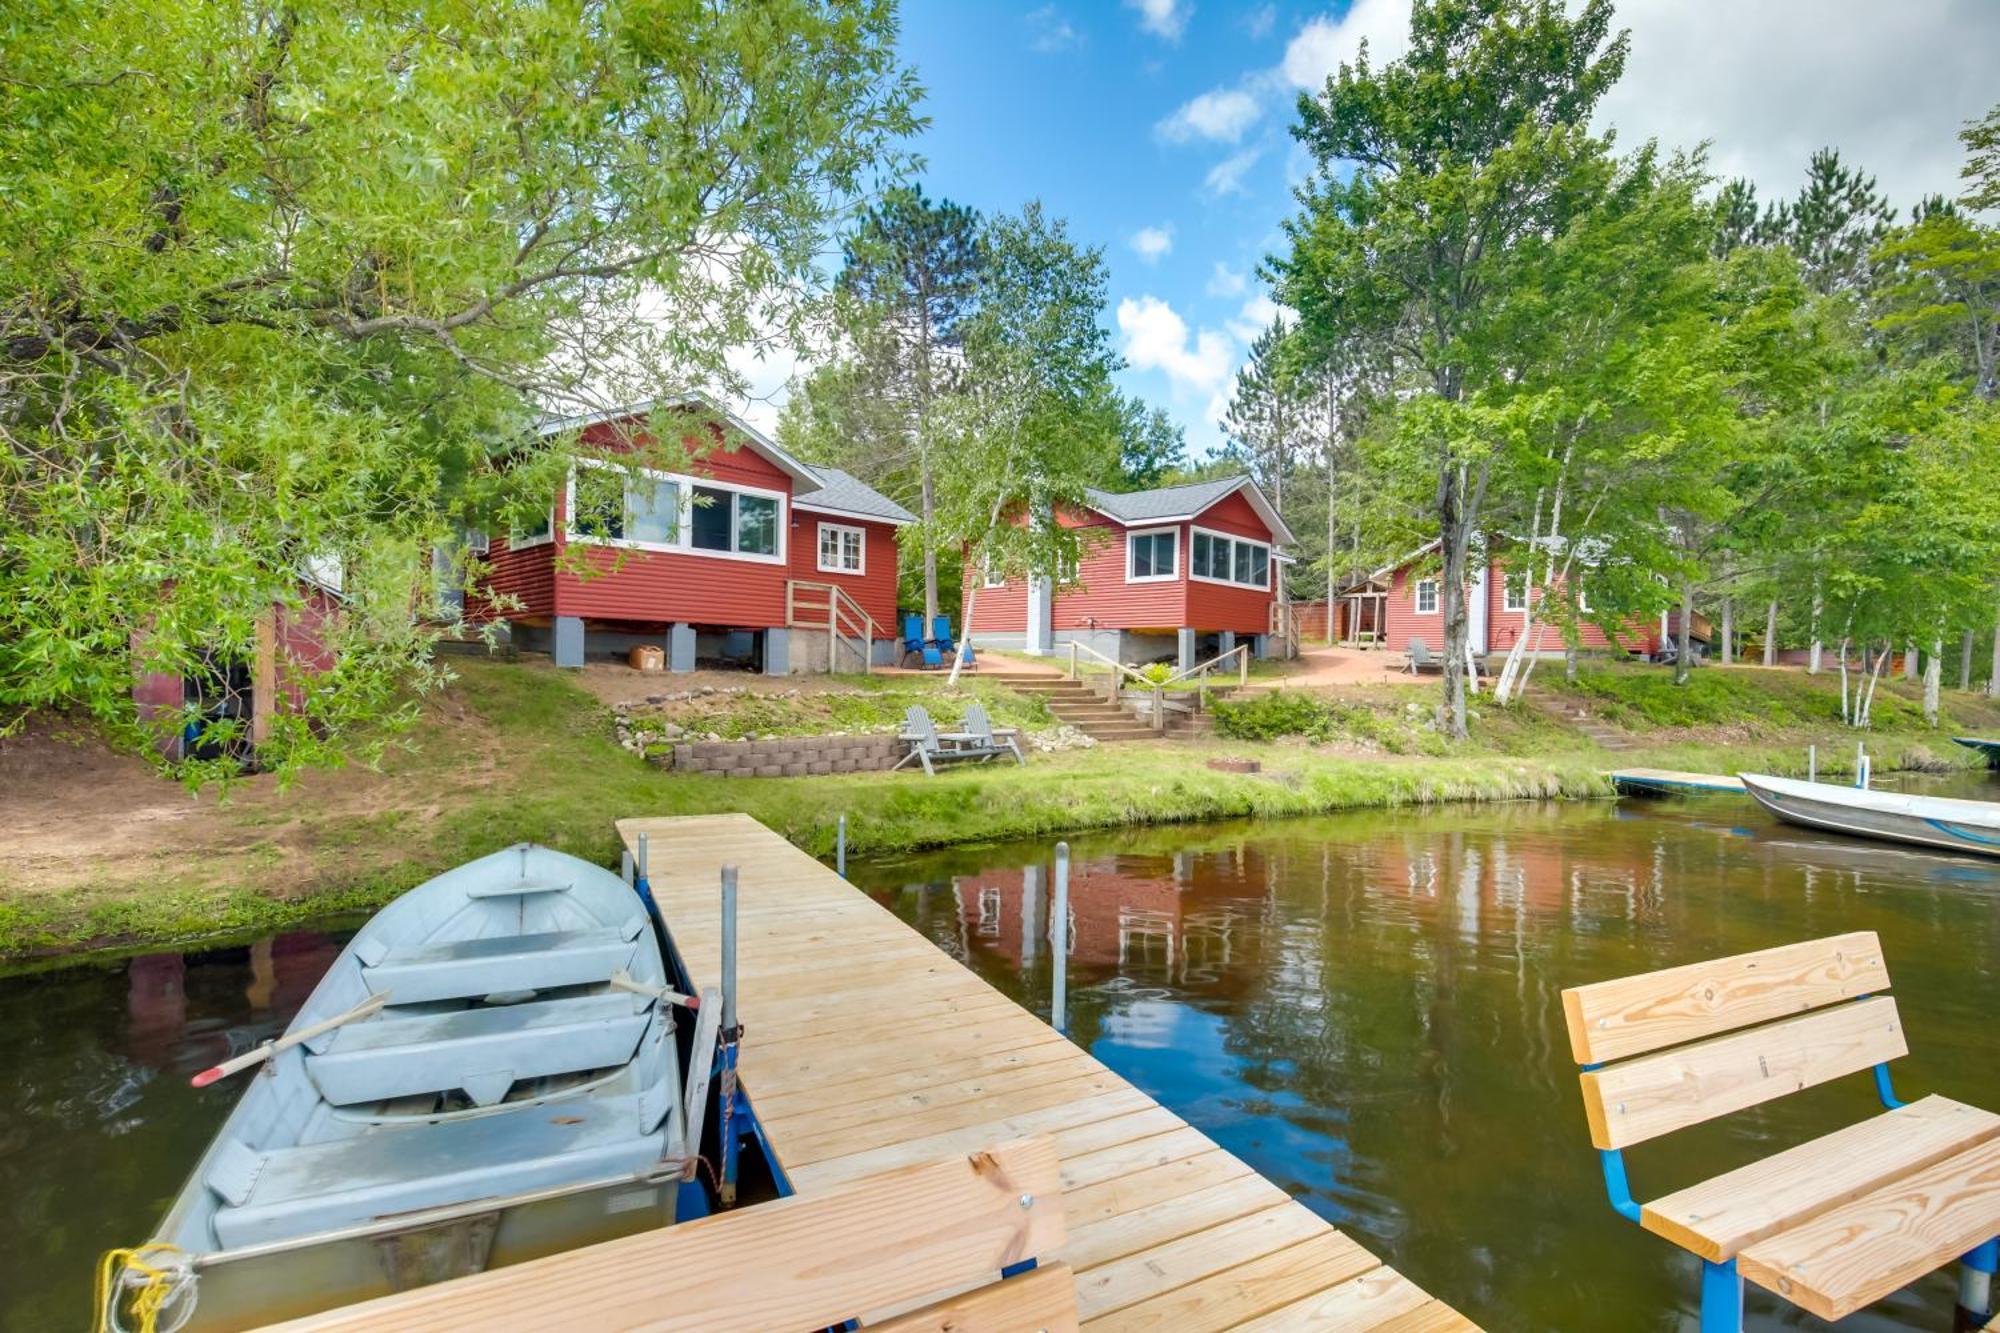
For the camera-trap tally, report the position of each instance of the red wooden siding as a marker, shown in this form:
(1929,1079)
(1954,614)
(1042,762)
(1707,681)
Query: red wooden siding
(1503,627)
(1102,599)
(654,588)
(874,589)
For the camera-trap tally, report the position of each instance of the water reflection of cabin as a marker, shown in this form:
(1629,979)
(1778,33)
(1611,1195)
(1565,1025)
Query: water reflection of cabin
(1124,913)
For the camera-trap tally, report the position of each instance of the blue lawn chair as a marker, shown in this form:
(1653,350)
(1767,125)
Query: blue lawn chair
(914,642)
(941,634)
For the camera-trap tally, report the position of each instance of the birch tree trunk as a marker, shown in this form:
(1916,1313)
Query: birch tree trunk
(1965,662)
(1909,659)
(1812,654)
(1332,529)
(1933,681)
(1728,631)
(1683,649)
(1846,714)
(1993,678)
(1771,634)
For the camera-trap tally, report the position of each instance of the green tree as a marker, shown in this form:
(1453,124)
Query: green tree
(285,283)
(1833,225)
(1440,180)
(913,276)
(1035,418)
(1269,407)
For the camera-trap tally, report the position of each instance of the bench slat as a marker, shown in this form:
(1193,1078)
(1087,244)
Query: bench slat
(1862,1251)
(1044,1299)
(806,1261)
(1718,1217)
(1657,1094)
(1632,1015)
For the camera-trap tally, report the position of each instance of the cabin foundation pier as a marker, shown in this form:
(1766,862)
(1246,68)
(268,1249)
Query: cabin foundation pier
(680,647)
(566,646)
(1184,649)
(777,652)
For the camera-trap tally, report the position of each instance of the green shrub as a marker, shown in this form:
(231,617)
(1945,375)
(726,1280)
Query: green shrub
(1263,717)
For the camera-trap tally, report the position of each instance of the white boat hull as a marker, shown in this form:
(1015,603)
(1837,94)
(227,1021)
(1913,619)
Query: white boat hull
(1921,821)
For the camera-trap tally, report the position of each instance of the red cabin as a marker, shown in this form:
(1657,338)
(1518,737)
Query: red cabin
(1178,574)
(745,557)
(1403,602)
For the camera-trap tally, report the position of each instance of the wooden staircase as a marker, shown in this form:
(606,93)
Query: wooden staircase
(1573,714)
(1076,703)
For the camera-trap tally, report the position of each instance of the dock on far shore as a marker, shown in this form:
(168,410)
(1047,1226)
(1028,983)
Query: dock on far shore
(1667,781)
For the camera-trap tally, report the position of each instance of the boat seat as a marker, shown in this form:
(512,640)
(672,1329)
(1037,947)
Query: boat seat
(288,1192)
(464,968)
(482,1050)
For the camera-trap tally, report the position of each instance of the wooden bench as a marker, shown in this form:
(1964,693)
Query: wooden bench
(940,1247)
(1830,1225)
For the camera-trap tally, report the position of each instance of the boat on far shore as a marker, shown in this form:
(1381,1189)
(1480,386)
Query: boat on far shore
(1986,745)
(1924,821)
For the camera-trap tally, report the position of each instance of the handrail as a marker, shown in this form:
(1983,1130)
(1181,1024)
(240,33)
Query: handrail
(1159,718)
(1241,652)
(838,603)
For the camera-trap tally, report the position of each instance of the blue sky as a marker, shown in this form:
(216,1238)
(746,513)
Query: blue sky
(1160,130)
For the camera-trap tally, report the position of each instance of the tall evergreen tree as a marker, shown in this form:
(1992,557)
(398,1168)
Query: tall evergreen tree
(913,274)
(1834,224)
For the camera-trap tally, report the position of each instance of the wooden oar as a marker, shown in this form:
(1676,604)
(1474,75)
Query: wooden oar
(290,1039)
(622,980)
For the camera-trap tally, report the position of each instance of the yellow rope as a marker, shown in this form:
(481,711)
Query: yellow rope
(162,1282)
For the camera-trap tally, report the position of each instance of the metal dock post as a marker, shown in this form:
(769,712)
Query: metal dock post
(1059,942)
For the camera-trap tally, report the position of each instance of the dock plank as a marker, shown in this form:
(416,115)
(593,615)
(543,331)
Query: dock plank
(867,1048)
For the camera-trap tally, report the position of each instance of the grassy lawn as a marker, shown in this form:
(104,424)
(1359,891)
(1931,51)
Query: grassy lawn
(520,752)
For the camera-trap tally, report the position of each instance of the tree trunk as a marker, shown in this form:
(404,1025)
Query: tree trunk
(1993,679)
(929,506)
(1909,659)
(1728,630)
(1332,529)
(1771,634)
(1683,637)
(1812,654)
(1455,539)
(1965,662)
(1933,680)
(1846,713)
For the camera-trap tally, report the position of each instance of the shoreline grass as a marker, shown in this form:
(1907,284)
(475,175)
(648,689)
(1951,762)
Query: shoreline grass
(562,780)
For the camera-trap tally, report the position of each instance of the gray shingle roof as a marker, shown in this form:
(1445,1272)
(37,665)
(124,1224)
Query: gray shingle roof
(1171,502)
(850,495)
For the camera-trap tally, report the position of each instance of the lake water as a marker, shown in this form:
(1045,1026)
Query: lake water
(1366,1008)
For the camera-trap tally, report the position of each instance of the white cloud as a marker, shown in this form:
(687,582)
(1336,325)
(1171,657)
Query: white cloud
(1162,18)
(1227,281)
(1153,244)
(1221,114)
(1320,47)
(1889,85)
(1259,22)
(1052,31)
(1155,337)
(1226,176)
(1255,316)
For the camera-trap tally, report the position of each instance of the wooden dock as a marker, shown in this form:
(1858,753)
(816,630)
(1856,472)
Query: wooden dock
(866,1048)
(1670,781)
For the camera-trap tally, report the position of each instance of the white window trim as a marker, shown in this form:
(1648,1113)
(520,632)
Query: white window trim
(989,577)
(1417,600)
(1270,560)
(819,548)
(1131,533)
(1507,601)
(684,523)
(1583,599)
(515,543)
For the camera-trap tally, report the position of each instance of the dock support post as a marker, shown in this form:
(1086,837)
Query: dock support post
(840,849)
(1059,942)
(1975,1284)
(625,870)
(1812,763)
(725,1187)
(1721,1298)
(1860,763)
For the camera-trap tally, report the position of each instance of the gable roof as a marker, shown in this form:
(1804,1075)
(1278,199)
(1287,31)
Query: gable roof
(755,440)
(844,493)
(1178,504)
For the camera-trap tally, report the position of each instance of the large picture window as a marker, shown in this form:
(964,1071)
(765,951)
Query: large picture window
(842,550)
(1152,555)
(1216,558)
(659,511)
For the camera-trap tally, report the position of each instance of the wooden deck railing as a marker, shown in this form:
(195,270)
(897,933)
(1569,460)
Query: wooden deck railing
(1119,671)
(844,619)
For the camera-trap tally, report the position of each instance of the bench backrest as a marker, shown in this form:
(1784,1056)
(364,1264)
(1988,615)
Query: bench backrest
(1419,651)
(977,724)
(1668,1049)
(918,727)
(872,1247)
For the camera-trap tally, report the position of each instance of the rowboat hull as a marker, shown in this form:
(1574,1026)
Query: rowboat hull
(1919,821)
(1986,746)
(488,1073)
